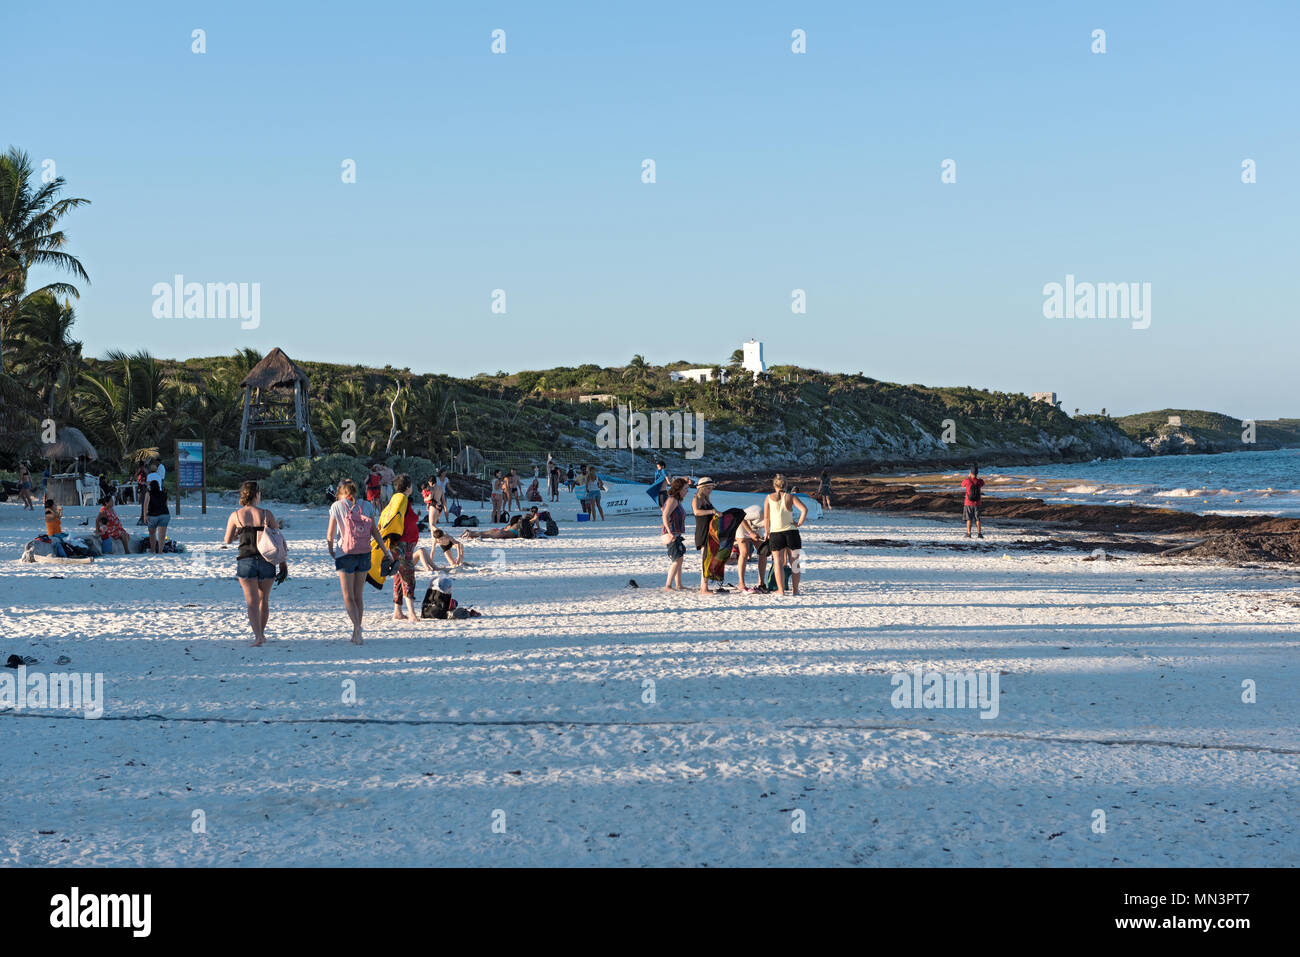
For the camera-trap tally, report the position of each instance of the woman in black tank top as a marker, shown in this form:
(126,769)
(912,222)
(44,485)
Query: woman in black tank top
(256,575)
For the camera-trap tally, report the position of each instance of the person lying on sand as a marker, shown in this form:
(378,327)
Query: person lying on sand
(513,530)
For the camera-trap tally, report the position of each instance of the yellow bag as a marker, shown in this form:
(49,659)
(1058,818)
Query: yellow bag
(392,522)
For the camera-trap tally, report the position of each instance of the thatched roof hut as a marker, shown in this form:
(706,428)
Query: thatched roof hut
(275,399)
(69,443)
(276,370)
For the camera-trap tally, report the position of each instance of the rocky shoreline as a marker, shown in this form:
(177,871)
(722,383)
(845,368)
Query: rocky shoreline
(1236,538)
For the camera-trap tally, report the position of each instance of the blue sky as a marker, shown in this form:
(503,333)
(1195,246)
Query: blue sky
(775,171)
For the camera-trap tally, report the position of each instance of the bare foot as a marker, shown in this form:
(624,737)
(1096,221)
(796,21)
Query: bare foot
(356,639)
(258,642)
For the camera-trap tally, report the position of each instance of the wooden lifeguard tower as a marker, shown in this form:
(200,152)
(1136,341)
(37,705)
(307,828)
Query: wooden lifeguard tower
(275,399)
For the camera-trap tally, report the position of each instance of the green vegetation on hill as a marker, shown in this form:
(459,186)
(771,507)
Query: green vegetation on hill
(1206,431)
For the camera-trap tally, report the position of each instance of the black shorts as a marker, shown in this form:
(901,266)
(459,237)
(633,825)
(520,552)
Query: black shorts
(970,513)
(788,539)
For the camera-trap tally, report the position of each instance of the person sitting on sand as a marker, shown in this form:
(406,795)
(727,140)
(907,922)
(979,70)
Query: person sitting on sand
(672,529)
(974,486)
(53,519)
(534,493)
(256,575)
(108,526)
(448,546)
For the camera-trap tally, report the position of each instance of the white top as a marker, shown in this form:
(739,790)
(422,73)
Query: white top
(157,475)
(339,511)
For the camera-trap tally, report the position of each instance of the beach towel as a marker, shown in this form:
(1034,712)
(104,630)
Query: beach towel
(721,540)
(654,490)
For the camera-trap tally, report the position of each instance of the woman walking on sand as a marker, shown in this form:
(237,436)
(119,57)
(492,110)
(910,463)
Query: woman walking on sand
(25,487)
(703,511)
(256,575)
(355,530)
(824,489)
(783,530)
(672,530)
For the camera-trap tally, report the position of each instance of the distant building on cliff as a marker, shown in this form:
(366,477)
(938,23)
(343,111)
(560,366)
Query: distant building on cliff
(1176,421)
(695,375)
(1048,397)
(753,361)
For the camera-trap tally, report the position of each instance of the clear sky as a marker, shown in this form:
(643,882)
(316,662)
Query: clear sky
(775,171)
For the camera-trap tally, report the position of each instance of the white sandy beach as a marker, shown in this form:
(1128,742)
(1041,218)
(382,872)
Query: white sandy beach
(1121,687)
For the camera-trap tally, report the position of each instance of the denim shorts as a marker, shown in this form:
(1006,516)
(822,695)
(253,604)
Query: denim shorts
(255,567)
(353,564)
(158,521)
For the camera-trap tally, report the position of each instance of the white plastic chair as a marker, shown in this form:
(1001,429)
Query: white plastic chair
(88,495)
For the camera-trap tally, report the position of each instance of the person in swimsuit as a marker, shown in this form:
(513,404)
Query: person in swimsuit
(256,575)
(672,531)
(510,531)
(452,550)
(703,511)
(824,489)
(513,494)
(594,487)
(497,504)
(783,531)
(354,564)
(108,526)
(25,487)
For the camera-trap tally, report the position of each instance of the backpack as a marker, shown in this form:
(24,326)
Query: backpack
(354,530)
(436,604)
(551,527)
(270,543)
(973,491)
(464,520)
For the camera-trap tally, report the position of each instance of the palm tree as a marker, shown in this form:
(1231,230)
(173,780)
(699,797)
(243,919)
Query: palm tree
(29,235)
(47,354)
(638,370)
(736,359)
(125,406)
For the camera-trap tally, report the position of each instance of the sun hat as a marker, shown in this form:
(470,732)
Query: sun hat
(703,482)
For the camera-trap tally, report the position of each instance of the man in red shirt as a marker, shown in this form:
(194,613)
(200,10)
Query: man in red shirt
(973,485)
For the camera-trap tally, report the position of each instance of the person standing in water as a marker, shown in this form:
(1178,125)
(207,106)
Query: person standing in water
(974,486)
(256,575)
(783,530)
(672,530)
(355,531)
